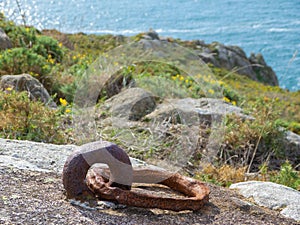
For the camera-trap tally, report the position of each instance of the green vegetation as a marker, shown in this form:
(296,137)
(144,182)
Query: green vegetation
(287,176)
(226,175)
(60,60)
(24,119)
(284,103)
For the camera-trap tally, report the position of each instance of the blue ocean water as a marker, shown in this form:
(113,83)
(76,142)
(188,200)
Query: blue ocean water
(271,27)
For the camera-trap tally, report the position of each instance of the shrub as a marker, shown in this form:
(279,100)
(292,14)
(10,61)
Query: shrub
(224,175)
(29,37)
(23,60)
(23,119)
(20,36)
(48,48)
(292,126)
(252,142)
(287,176)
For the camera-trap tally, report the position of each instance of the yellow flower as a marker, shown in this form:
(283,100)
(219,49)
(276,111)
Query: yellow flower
(226,99)
(63,102)
(181,78)
(60,44)
(50,59)
(211,91)
(233,102)
(68,111)
(8,89)
(221,82)
(27,29)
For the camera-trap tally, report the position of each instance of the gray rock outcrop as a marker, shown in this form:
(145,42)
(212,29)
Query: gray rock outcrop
(131,104)
(25,82)
(151,35)
(35,156)
(4,40)
(234,58)
(191,111)
(273,196)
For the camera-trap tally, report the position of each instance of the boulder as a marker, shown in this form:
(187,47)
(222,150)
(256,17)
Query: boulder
(4,41)
(292,148)
(294,139)
(190,111)
(273,196)
(25,82)
(131,104)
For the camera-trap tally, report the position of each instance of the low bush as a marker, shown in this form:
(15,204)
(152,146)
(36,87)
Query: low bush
(287,176)
(23,60)
(251,142)
(23,119)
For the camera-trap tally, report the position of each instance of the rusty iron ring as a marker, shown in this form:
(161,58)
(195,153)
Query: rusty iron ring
(196,192)
(79,180)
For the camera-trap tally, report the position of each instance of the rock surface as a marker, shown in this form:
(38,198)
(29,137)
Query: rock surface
(34,194)
(33,156)
(132,104)
(234,58)
(4,41)
(151,35)
(272,196)
(292,148)
(293,138)
(25,82)
(190,110)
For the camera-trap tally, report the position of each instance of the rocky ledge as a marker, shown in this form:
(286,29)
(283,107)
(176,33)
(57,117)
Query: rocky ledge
(232,58)
(32,192)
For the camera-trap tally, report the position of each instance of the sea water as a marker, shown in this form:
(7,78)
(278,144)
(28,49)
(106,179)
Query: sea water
(271,27)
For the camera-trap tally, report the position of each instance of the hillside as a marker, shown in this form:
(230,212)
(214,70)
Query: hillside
(255,148)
